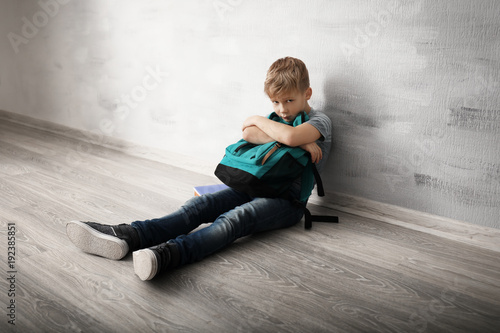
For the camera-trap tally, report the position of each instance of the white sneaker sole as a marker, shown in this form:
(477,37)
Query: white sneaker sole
(145,264)
(92,241)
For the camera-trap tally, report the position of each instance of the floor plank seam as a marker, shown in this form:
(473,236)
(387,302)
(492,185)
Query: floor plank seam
(488,238)
(363,274)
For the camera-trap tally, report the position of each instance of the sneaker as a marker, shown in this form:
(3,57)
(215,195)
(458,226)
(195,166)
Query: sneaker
(155,260)
(108,241)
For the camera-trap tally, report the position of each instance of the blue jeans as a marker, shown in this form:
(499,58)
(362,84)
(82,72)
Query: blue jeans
(232,215)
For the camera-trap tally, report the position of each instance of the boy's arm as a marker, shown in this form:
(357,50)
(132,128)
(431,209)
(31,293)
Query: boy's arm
(289,135)
(253,134)
(304,135)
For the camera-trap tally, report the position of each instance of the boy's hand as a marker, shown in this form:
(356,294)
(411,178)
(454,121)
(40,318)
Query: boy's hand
(314,150)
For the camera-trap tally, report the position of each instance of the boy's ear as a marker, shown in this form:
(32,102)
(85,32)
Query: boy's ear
(308,93)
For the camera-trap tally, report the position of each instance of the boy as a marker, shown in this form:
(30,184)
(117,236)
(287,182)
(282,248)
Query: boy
(162,244)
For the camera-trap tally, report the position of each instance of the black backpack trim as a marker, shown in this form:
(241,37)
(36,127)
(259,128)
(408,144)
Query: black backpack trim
(308,217)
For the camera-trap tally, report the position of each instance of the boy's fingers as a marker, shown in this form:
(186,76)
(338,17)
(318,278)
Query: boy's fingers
(318,154)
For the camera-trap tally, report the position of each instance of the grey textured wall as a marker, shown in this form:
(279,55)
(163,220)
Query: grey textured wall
(411,85)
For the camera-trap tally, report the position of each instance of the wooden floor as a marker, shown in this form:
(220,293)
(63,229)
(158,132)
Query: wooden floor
(361,275)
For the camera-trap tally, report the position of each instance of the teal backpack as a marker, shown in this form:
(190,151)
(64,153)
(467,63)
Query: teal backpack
(269,170)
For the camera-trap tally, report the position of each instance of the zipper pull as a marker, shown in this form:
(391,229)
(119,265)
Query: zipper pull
(276,146)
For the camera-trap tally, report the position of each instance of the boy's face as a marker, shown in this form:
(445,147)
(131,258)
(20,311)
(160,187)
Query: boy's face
(289,105)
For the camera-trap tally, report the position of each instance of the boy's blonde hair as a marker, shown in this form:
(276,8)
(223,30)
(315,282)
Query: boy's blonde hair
(286,75)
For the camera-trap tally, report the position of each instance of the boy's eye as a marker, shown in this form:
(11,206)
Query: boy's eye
(290,100)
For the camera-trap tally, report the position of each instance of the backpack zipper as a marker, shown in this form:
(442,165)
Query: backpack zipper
(276,146)
(243,145)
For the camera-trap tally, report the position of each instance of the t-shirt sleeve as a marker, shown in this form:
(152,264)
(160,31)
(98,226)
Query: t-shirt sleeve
(323,124)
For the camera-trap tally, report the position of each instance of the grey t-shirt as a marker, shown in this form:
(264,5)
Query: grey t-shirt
(324,125)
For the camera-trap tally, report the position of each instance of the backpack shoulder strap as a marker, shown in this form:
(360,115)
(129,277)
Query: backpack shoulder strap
(298,120)
(313,175)
(309,218)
